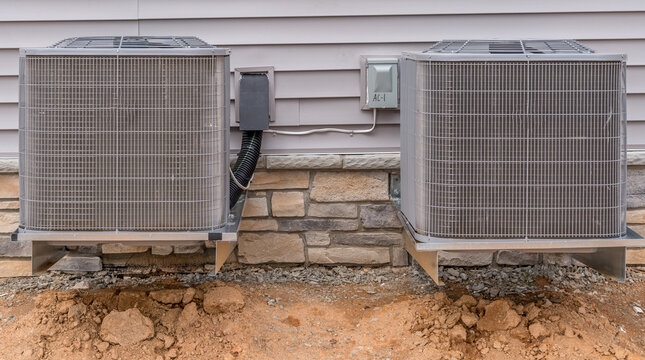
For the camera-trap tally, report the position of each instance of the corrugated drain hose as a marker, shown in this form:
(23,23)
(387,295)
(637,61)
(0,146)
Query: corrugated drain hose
(244,167)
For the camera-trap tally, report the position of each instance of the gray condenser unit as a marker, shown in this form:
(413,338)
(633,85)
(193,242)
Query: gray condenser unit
(515,144)
(124,139)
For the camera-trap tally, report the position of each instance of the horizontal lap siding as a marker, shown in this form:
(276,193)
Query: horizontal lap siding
(413,28)
(9,62)
(315,47)
(30,10)
(167,9)
(25,34)
(61,10)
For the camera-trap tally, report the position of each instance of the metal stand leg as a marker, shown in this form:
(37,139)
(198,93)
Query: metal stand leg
(429,260)
(223,250)
(608,261)
(44,255)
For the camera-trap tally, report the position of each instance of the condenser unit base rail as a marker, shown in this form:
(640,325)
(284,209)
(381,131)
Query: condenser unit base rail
(607,256)
(49,247)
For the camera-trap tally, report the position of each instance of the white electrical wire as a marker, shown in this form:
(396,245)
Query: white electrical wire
(237,182)
(312,131)
(307,132)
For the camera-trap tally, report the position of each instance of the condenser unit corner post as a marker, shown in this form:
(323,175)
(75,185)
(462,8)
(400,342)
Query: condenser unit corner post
(125,139)
(515,145)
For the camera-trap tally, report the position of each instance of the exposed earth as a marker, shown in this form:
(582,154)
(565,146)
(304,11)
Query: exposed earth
(539,312)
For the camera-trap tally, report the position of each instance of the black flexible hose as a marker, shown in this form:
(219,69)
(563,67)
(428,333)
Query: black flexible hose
(244,167)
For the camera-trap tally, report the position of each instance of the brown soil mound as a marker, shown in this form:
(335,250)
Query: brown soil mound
(295,321)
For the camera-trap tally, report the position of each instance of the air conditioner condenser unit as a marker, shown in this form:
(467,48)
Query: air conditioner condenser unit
(125,139)
(515,144)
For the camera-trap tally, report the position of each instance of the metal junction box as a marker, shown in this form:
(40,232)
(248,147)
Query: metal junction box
(253,102)
(380,77)
(254,97)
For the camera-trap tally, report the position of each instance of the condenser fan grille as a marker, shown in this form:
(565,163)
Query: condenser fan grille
(133,143)
(509,47)
(514,149)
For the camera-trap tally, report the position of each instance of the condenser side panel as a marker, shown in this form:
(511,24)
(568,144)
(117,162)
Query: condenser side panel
(409,100)
(224,113)
(575,136)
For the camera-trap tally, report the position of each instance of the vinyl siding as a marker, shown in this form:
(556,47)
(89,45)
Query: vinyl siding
(315,48)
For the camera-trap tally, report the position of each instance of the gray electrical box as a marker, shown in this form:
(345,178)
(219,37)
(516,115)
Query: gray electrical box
(253,102)
(254,97)
(382,83)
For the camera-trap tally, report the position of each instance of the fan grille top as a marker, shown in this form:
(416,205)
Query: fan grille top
(122,42)
(123,143)
(509,47)
(514,149)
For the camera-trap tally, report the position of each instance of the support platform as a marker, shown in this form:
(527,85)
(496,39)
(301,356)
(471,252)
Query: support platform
(49,247)
(607,256)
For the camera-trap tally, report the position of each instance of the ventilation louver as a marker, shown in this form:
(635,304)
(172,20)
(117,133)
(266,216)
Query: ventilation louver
(513,140)
(124,134)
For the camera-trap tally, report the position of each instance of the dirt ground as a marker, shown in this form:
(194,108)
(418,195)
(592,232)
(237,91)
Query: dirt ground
(296,320)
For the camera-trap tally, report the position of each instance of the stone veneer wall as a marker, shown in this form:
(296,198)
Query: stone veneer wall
(307,209)
(322,209)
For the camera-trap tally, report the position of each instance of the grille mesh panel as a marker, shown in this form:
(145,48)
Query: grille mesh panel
(135,143)
(514,149)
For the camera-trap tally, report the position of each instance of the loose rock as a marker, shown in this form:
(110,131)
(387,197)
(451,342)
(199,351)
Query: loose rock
(568,332)
(188,316)
(189,294)
(63,307)
(532,312)
(582,310)
(452,319)
(172,353)
(538,330)
(498,316)
(168,296)
(169,319)
(458,333)
(223,299)
(167,340)
(81,285)
(102,346)
(76,310)
(469,319)
(466,300)
(126,327)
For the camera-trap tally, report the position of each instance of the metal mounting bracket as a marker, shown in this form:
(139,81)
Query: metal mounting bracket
(429,260)
(610,261)
(223,250)
(43,256)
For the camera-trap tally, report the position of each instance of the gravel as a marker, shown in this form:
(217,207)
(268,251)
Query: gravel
(480,281)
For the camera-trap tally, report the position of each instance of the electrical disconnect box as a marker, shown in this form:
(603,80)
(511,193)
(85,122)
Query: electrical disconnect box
(254,97)
(253,102)
(382,83)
